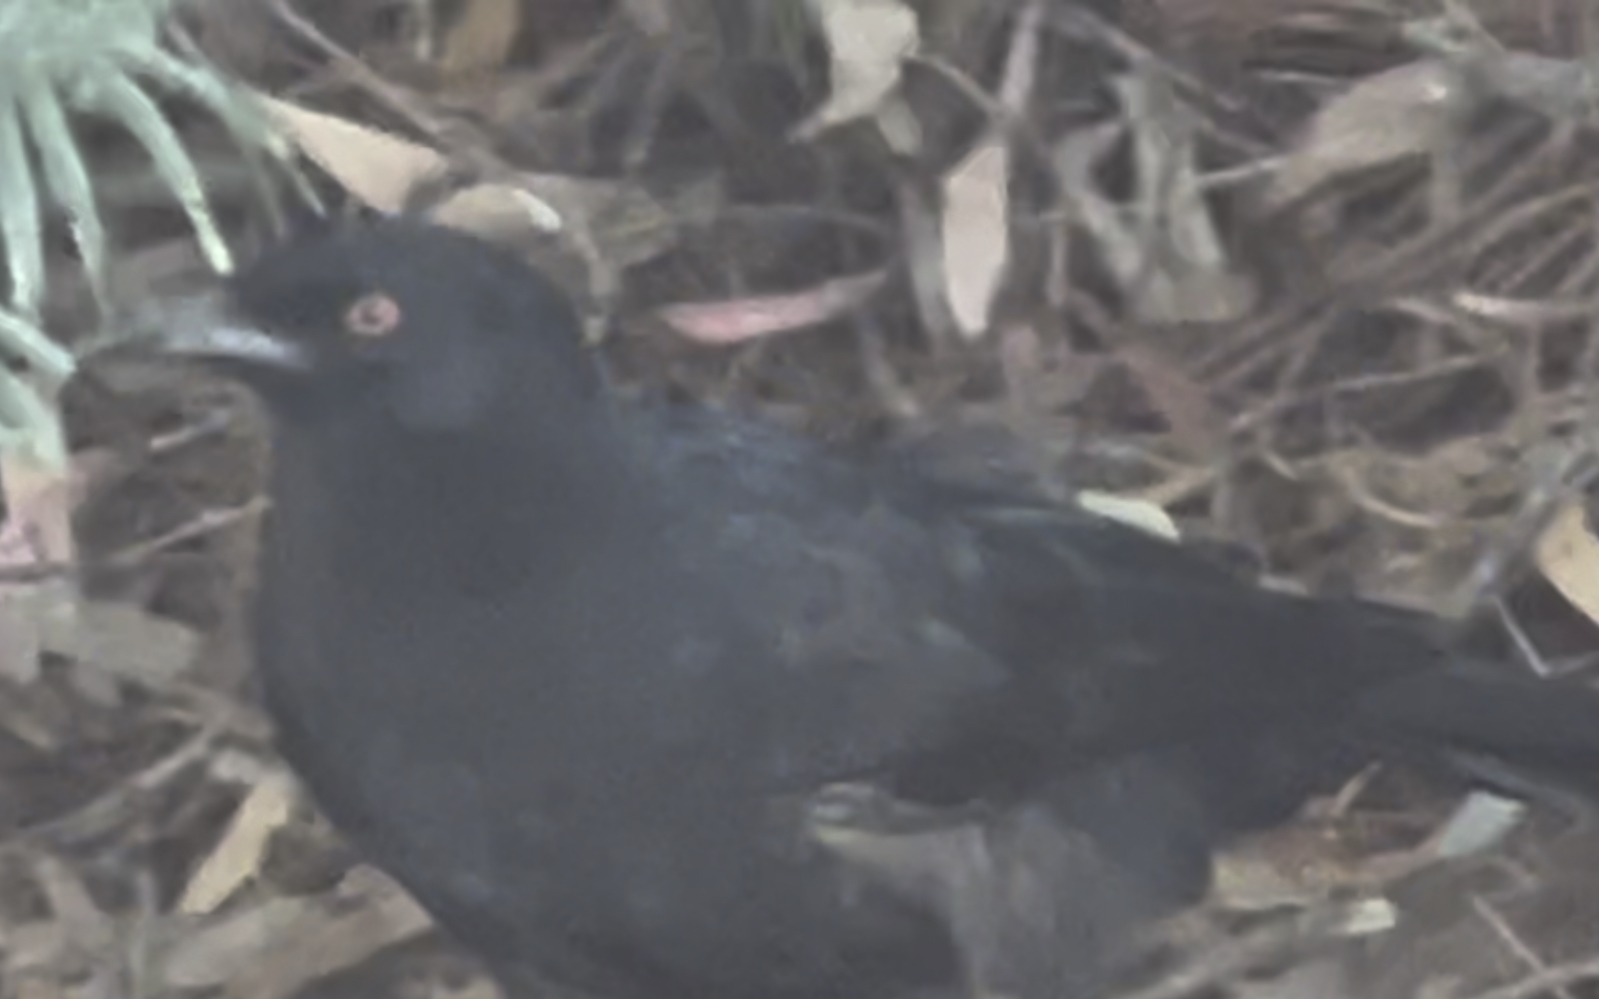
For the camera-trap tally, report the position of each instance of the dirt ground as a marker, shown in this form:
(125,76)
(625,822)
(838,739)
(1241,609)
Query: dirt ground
(1314,277)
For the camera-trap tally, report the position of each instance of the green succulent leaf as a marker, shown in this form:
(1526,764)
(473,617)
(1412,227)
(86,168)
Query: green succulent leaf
(108,58)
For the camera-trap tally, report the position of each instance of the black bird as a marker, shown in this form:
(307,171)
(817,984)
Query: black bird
(576,670)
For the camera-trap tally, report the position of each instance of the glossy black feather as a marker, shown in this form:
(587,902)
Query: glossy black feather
(571,668)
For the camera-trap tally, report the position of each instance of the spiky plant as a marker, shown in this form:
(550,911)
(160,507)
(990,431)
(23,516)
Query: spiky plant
(109,59)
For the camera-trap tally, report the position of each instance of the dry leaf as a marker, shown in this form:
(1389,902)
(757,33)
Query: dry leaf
(481,37)
(378,168)
(1568,555)
(381,170)
(40,498)
(1142,514)
(868,41)
(975,239)
(217,953)
(1405,111)
(497,212)
(237,857)
(899,127)
(1479,823)
(747,318)
(976,233)
(127,641)
(322,942)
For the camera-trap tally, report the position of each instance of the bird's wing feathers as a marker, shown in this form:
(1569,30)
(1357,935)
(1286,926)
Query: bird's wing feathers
(1144,641)
(971,623)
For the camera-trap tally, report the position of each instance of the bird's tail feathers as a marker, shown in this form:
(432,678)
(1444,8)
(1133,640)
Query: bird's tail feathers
(1548,727)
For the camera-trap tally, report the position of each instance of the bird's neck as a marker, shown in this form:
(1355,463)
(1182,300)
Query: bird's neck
(469,513)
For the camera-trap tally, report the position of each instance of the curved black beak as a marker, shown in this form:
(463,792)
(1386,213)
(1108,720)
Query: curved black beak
(203,327)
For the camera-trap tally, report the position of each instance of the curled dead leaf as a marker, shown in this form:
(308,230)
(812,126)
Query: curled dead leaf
(1567,553)
(378,168)
(481,37)
(868,41)
(126,641)
(382,170)
(498,212)
(744,319)
(40,496)
(237,857)
(976,233)
(1142,514)
(1402,112)
(221,951)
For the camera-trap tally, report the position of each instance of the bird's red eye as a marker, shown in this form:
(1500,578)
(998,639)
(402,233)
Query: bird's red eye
(375,315)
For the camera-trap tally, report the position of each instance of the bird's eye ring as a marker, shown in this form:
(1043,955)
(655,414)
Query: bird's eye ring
(375,315)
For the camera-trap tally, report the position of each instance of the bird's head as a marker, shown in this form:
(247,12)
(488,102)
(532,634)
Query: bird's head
(421,325)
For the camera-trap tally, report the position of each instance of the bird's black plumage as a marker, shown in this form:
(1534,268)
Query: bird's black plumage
(571,669)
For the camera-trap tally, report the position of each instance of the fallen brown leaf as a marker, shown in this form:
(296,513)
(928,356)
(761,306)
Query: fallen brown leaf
(976,233)
(1567,553)
(381,170)
(1403,112)
(41,494)
(481,37)
(128,642)
(868,41)
(744,319)
(323,942)
(215,953)
(1132,511)
(378,168)
(238,855)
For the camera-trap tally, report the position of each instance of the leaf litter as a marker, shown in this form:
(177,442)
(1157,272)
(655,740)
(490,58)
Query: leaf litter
(1315,278)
